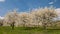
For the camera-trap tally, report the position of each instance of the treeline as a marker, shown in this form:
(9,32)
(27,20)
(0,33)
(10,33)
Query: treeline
(41,17)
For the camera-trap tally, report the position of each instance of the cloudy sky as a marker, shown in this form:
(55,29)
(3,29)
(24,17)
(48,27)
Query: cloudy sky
(24,5)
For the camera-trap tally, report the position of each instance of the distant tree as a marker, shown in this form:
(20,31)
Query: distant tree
(44,16)
(37,14)
(1,22)
(11,18)
(25,19)
(47,16)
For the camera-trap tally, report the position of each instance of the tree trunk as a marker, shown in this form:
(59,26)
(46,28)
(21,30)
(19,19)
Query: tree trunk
(12,25)
(44,25)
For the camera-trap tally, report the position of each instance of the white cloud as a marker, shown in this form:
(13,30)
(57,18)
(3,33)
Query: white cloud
(51,2)
(2,0)
(58,10)
(1,17)
(58,13)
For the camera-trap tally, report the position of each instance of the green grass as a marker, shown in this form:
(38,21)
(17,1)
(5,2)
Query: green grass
(22,30)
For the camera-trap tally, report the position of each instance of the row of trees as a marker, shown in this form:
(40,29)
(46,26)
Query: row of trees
(35,18)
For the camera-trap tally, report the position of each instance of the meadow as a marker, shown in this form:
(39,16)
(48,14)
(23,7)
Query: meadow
(28,30)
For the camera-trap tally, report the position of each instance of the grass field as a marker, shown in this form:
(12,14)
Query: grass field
(22,30)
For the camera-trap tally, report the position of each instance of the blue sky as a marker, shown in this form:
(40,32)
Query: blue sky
(25,5)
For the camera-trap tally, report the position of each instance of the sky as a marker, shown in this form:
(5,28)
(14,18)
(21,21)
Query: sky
(25,5)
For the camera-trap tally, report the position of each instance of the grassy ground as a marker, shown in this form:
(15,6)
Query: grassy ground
(22,30)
